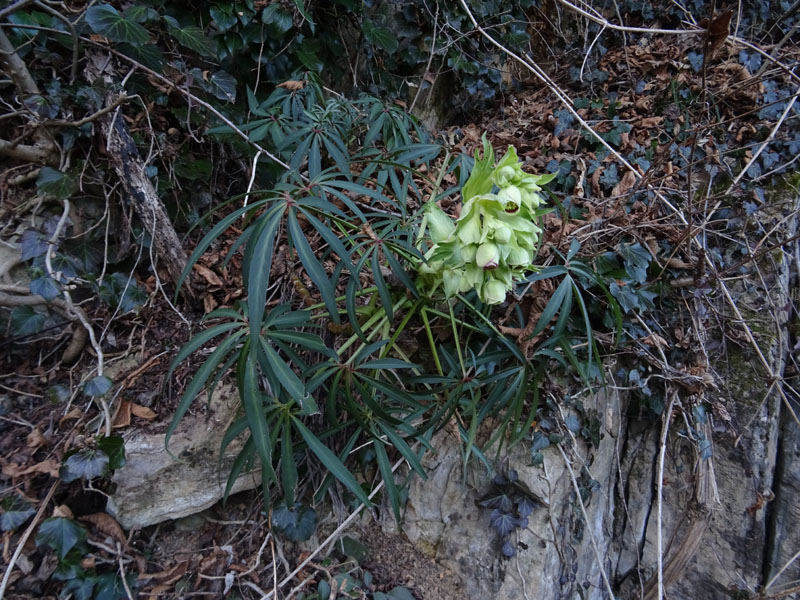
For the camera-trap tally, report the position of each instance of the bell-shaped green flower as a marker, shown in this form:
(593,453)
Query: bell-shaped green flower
(487,256)
(468,231)
(440,226)
(493,292)
(502,233)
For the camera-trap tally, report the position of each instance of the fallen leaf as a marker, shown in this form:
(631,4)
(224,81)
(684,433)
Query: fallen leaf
(35,439)
(209,275)
(169,576)
(625,184)
(123,416)
(75,413)
(142,412)
(49,467)
(718,30)
(655,340)
(209,303)
(106,524)
(63,511)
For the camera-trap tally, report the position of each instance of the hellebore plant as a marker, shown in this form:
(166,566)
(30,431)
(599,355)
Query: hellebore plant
(494,241)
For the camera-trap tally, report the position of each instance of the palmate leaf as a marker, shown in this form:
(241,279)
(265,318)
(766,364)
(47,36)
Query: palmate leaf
(106,21)
(60,534)
(84,464)
(25,321)
(15,512)
(297,523)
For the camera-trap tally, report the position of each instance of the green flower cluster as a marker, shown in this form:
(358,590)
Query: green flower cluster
(494,241)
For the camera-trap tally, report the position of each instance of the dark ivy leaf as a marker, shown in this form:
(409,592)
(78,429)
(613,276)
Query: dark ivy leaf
(60,534)
(54,182)
(507,549)
(97,386)
(15,512)
(573,423)
(278,17)
(400,593)
(106,21)
(58,393)
(84,464)
(497,499)
(297,523)
(147,54)
(114,447)
(503,523)
(139,13)
(379,36)
(637,260)
(81,588)
(46,287)
(25,321)
(221,85)
(191,37)
(109,586)
(540,442)
(525,506)
(32,243)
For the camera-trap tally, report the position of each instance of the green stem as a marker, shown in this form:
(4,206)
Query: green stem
(455,336)
(429,334)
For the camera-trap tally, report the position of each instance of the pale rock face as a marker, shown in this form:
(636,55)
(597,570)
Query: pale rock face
(155,486)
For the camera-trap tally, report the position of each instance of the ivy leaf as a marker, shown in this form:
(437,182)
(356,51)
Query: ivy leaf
(140,14)
(114,447)
(60,534)
(223,16)
(503,523)
(25,321)
(81,588)
(637,259)
(508,549)
(400,593)
(54,182)
(46,287)
(15,512)
(220,84)
(610,176)
(277,17)
(147,54)
(525,506)
(33,243)
(106,21)
(84,464)
(191,37)
(97,386)
(540,442)
(380,36)
(497,499)
(297,523)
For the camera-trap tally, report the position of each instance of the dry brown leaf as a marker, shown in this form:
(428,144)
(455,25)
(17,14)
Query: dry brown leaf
(655,340)
(157,591)
(625,184)
(75,413)
(209,303)
(718,30)
(49,467)
(292,85)
(677,263)
(63,511)
(35,439)
(209,275)
(123,416)
(650,122)
(142,412)
(169,576)
(106,524)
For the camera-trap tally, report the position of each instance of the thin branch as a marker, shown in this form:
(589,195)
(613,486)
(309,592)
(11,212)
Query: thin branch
(661,458)
(14,7)
(16,68)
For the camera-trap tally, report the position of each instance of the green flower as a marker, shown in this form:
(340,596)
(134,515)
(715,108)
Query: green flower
(487,256)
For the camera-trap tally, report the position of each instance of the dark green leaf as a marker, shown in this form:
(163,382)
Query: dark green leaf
(84,464)
(257,265)
(400,593)
(277,17)
(46,287)
(297,523)
(331,461)
(56,183)
(222,85)
(106,21)
(15,512)
(312,266)
(147,54)
(379,36)
(223,15)
(253,401)
(140,13)
(60,534)
(97,386)
(25,321)
(114,447)
(191,37)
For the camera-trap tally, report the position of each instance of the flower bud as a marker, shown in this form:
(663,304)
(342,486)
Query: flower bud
(519,257)
(487,256)
(493,292)
(504,176)
(502,234)
(440,226)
